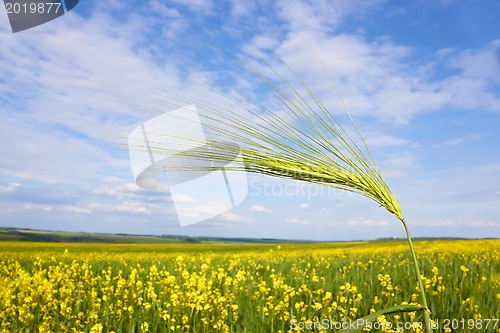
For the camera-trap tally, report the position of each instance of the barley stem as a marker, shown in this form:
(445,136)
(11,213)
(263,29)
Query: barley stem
(427,317)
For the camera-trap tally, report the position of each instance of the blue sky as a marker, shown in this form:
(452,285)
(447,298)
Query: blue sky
(421,79)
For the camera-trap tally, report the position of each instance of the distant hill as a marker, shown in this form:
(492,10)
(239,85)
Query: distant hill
(31,235)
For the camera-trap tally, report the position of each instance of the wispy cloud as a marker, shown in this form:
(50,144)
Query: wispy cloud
(375,77)
(385,140)
(457,141)
(483,224)
(449,142)
(398,166)
(119,189)
(320,15)
(294,220)
(368,223)
(199,6)
(257,208)
(46,194)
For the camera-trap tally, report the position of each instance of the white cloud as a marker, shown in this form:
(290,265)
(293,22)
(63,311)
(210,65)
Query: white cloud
(209,209)
(164,10)
(449,142)
(46,156)
(242,8)
(440,223)
(297,221)
(385,140)
(457,141)
(10,187)
(232,217)
(305,206)
(483,224)
(444,52)
(120,189)
(398,166)
(88,210)
(482,63)
(182,198)
(45,208)
(202,7)
(320,14)
(152,183)
(367,223)
(192,211)
(70,94)
(210,215)
(257,208)
(130,207)
(122,207)
(375,77)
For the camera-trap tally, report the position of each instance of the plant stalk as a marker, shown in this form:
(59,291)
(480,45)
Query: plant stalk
(427,317)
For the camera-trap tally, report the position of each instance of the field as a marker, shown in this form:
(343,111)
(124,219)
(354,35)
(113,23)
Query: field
(87,287)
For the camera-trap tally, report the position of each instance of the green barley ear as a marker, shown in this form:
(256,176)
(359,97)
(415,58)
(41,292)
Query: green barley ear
(298,140)
(304,142)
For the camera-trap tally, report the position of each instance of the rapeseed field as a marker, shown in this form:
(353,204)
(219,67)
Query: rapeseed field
(65,287)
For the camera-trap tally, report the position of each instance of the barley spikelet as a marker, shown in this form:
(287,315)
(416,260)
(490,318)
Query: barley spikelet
(305,142)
